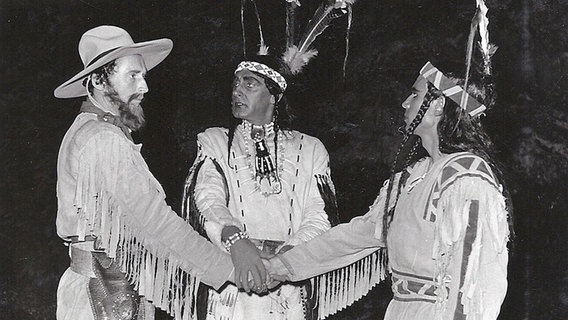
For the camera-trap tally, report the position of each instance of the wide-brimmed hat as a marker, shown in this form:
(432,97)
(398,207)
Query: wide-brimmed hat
(104,44)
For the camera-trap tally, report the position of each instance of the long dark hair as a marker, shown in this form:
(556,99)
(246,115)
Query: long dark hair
(103,72)
(283,115)
(458,132)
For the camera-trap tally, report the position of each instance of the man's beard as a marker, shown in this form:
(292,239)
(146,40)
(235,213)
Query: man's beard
(131,113)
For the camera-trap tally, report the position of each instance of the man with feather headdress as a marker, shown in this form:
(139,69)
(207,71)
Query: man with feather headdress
(260,187)
(256,189)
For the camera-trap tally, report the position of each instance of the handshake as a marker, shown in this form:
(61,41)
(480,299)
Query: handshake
(258,269)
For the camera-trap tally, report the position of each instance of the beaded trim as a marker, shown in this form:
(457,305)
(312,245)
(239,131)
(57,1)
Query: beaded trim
(264,70)
(268,129)
(246,130)
(233,239)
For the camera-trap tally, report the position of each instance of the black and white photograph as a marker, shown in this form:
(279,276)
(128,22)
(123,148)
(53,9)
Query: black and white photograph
(284,159)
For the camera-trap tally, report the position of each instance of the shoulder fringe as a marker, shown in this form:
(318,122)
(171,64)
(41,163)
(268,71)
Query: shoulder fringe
(155,275)
(492,216)
(338,289)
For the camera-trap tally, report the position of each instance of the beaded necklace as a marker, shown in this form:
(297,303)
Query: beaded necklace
(265,171)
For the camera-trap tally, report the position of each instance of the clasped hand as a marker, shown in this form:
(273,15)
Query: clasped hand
(252,268)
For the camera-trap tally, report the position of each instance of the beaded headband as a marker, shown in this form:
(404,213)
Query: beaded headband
(264,70)
(452,90)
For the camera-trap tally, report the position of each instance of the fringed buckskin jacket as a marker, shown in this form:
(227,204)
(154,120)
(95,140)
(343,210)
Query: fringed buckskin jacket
(221,190)
(106,191)
(447,245)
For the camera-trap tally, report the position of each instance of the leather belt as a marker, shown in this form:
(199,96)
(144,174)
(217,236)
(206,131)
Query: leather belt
(75,239)
(81,261)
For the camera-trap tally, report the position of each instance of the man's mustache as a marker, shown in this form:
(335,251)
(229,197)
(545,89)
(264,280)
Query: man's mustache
(136,96)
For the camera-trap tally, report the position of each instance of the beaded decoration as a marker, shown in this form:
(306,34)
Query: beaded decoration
(234,238)
(264,70)
(264,172)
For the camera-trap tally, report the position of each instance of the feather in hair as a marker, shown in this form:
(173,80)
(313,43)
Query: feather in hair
(349,20)
(297,60)
(487,48)
(319,22)
(263,49)
(298,56)
(243,28)
(483,23)
(469,49)
(290,23)
(480,21)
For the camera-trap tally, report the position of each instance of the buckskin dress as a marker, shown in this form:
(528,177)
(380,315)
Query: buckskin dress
(447,245)
(221,191)
(106,192)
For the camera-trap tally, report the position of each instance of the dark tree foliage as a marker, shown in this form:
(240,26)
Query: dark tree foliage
(355,116)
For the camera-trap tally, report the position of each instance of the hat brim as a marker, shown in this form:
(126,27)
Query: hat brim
(152,52)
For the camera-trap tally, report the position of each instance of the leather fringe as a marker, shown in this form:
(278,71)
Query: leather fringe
(154,274)
(340,288)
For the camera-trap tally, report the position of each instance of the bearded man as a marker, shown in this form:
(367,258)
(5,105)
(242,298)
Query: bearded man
(124,240)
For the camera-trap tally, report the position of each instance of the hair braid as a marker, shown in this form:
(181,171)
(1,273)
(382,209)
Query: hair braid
(276,129)
(231,136)
(402,160)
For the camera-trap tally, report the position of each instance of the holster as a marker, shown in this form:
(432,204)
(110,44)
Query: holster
(112,296)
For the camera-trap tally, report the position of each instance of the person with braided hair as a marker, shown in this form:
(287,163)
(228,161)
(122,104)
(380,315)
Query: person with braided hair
(444,217)
(258,188)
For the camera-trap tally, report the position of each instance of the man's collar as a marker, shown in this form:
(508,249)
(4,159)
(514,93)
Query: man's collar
(89,107)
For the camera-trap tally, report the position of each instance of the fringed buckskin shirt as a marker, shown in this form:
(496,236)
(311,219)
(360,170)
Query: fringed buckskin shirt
(221,191)
(447,245)
(105,190)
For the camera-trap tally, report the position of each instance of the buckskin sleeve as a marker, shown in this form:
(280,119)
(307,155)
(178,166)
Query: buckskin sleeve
(340,246)
(314,218)
(119,201)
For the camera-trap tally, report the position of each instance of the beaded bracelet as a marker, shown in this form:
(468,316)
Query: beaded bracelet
(234,238)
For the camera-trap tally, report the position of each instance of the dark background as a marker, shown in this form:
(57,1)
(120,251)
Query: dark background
(355,116)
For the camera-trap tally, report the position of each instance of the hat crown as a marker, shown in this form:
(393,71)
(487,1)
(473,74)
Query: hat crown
(100,40)
(103,44)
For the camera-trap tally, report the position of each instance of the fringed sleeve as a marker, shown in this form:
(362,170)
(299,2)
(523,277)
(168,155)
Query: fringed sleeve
(474,222)
(350,254)
(121,203)
(206,193)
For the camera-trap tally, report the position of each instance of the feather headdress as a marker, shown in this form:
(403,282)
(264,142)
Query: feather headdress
(480,22)
(263,48)
(297,56)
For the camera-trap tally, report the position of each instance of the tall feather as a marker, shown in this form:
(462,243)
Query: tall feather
(290,23)
(487,48)
(243,28)
(469,50)
(349,20)
(481,22)
(296,60)
(298,56)
(263,49)
(319,22)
